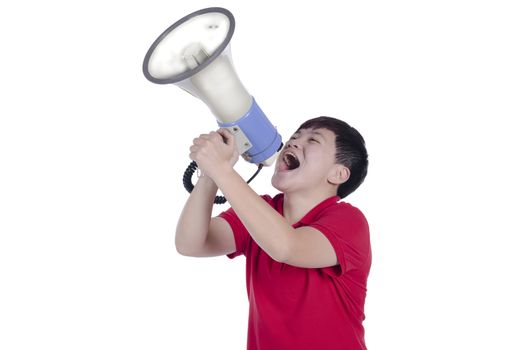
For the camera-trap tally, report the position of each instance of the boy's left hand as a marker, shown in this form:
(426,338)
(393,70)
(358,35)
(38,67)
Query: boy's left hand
(214,152)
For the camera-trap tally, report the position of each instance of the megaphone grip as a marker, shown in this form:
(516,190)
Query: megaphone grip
(264,138)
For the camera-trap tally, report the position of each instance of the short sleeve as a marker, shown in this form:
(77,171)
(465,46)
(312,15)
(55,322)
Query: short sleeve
(240,233)
(347,230)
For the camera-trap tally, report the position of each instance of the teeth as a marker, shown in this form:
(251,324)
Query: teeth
(289,154)
(291,160)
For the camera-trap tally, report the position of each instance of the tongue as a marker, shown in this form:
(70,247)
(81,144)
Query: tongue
(283,166)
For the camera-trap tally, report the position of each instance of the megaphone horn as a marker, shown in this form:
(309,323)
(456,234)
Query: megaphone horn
(194,54)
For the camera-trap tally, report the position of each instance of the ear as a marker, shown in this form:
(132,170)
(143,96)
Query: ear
(339,174)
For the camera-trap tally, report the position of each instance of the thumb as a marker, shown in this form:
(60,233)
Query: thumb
(229,139)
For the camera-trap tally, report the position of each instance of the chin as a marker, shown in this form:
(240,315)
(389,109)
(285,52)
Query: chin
(278,182)
(283,183)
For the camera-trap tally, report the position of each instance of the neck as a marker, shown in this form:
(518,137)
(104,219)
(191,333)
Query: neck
(297,205)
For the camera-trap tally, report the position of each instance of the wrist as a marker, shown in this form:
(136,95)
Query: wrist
(224,175)
(200,173)
(204,180)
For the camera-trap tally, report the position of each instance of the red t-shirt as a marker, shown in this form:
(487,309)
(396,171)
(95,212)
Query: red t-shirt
(300,308)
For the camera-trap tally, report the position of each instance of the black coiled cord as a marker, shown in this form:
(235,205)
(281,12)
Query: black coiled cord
(187,180)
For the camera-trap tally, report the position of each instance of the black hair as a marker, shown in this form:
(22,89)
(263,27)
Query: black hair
(350,150)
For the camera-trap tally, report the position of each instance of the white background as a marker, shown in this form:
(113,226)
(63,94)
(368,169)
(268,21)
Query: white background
(91,157)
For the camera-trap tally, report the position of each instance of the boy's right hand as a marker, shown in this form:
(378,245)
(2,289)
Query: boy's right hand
(214,152)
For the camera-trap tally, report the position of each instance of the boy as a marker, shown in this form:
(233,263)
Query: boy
(307,255)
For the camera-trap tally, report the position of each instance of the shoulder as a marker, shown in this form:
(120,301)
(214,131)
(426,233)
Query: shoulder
(347,229)
(343,219)
(343,211)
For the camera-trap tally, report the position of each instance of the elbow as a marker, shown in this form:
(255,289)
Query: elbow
(281,254)
(281,251)
(189,249)
(181,248)
(184,250)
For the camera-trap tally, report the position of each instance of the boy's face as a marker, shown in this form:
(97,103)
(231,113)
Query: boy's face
(306,162)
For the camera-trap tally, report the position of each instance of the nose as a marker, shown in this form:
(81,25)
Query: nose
(292,143)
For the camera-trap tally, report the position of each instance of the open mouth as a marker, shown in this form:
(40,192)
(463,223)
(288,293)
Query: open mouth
(291,161)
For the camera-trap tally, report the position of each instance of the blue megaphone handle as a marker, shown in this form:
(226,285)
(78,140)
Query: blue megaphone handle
(262,135)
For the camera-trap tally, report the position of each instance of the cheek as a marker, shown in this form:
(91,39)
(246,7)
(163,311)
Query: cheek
(318,158)
(319,163)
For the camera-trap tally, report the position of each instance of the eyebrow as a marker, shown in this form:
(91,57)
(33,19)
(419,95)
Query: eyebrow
(315,132)
(318,133)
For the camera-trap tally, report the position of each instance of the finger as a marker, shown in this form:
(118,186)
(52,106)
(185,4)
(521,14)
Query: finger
(216,136)
(201,139)
(198,141)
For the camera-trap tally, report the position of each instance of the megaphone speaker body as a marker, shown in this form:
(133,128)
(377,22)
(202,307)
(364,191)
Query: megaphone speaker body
(194,54)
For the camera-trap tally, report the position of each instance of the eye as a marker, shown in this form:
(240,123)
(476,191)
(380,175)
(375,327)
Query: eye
(313,140)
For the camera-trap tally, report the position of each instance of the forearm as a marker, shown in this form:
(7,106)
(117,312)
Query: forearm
(193,225)
(267,227)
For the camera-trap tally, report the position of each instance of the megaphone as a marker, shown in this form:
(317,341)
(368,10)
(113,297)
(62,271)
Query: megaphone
(194,53)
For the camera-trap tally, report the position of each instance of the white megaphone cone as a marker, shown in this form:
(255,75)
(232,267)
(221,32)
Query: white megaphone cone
(194,54)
